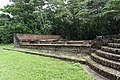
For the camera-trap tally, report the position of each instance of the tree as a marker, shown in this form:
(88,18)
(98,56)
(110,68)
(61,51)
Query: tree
(72,19)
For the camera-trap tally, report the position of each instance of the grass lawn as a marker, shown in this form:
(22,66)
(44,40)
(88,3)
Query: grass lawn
(21,66)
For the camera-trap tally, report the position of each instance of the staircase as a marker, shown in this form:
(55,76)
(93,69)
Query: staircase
(106,60)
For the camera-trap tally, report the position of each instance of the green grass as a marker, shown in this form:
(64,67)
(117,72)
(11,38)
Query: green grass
(21,66)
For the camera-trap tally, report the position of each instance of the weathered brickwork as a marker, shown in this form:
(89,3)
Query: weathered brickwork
(106,58)
(51,42)
(22,39)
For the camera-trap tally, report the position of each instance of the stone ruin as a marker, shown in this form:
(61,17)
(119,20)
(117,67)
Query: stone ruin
(104,50)
(26,39)
(105,60)
(50,42)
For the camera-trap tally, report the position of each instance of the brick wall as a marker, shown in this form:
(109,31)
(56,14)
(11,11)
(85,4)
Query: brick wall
(20,39)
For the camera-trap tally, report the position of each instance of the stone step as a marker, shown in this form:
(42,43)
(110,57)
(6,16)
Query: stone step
(108,55)
(114,45)
(111,50)
(105,62)
(107,72)
(116,41)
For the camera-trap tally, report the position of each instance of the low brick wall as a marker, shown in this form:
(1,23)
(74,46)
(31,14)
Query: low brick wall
(50,42)
(20,39)
(82,49)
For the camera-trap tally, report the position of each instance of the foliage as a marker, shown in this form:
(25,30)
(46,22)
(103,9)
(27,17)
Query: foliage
(72,19)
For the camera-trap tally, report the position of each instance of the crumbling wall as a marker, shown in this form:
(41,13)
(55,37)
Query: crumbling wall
(20,39)
(103,40)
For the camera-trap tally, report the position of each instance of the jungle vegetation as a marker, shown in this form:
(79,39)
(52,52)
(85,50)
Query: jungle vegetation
(72,19)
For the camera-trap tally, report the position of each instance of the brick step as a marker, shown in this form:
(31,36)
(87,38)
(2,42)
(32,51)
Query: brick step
(111,50)
(114,45)
(105,62)
(108,55)
(107,72)
(116,41)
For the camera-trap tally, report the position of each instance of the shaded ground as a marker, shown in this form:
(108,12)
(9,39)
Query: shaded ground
(19,66)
